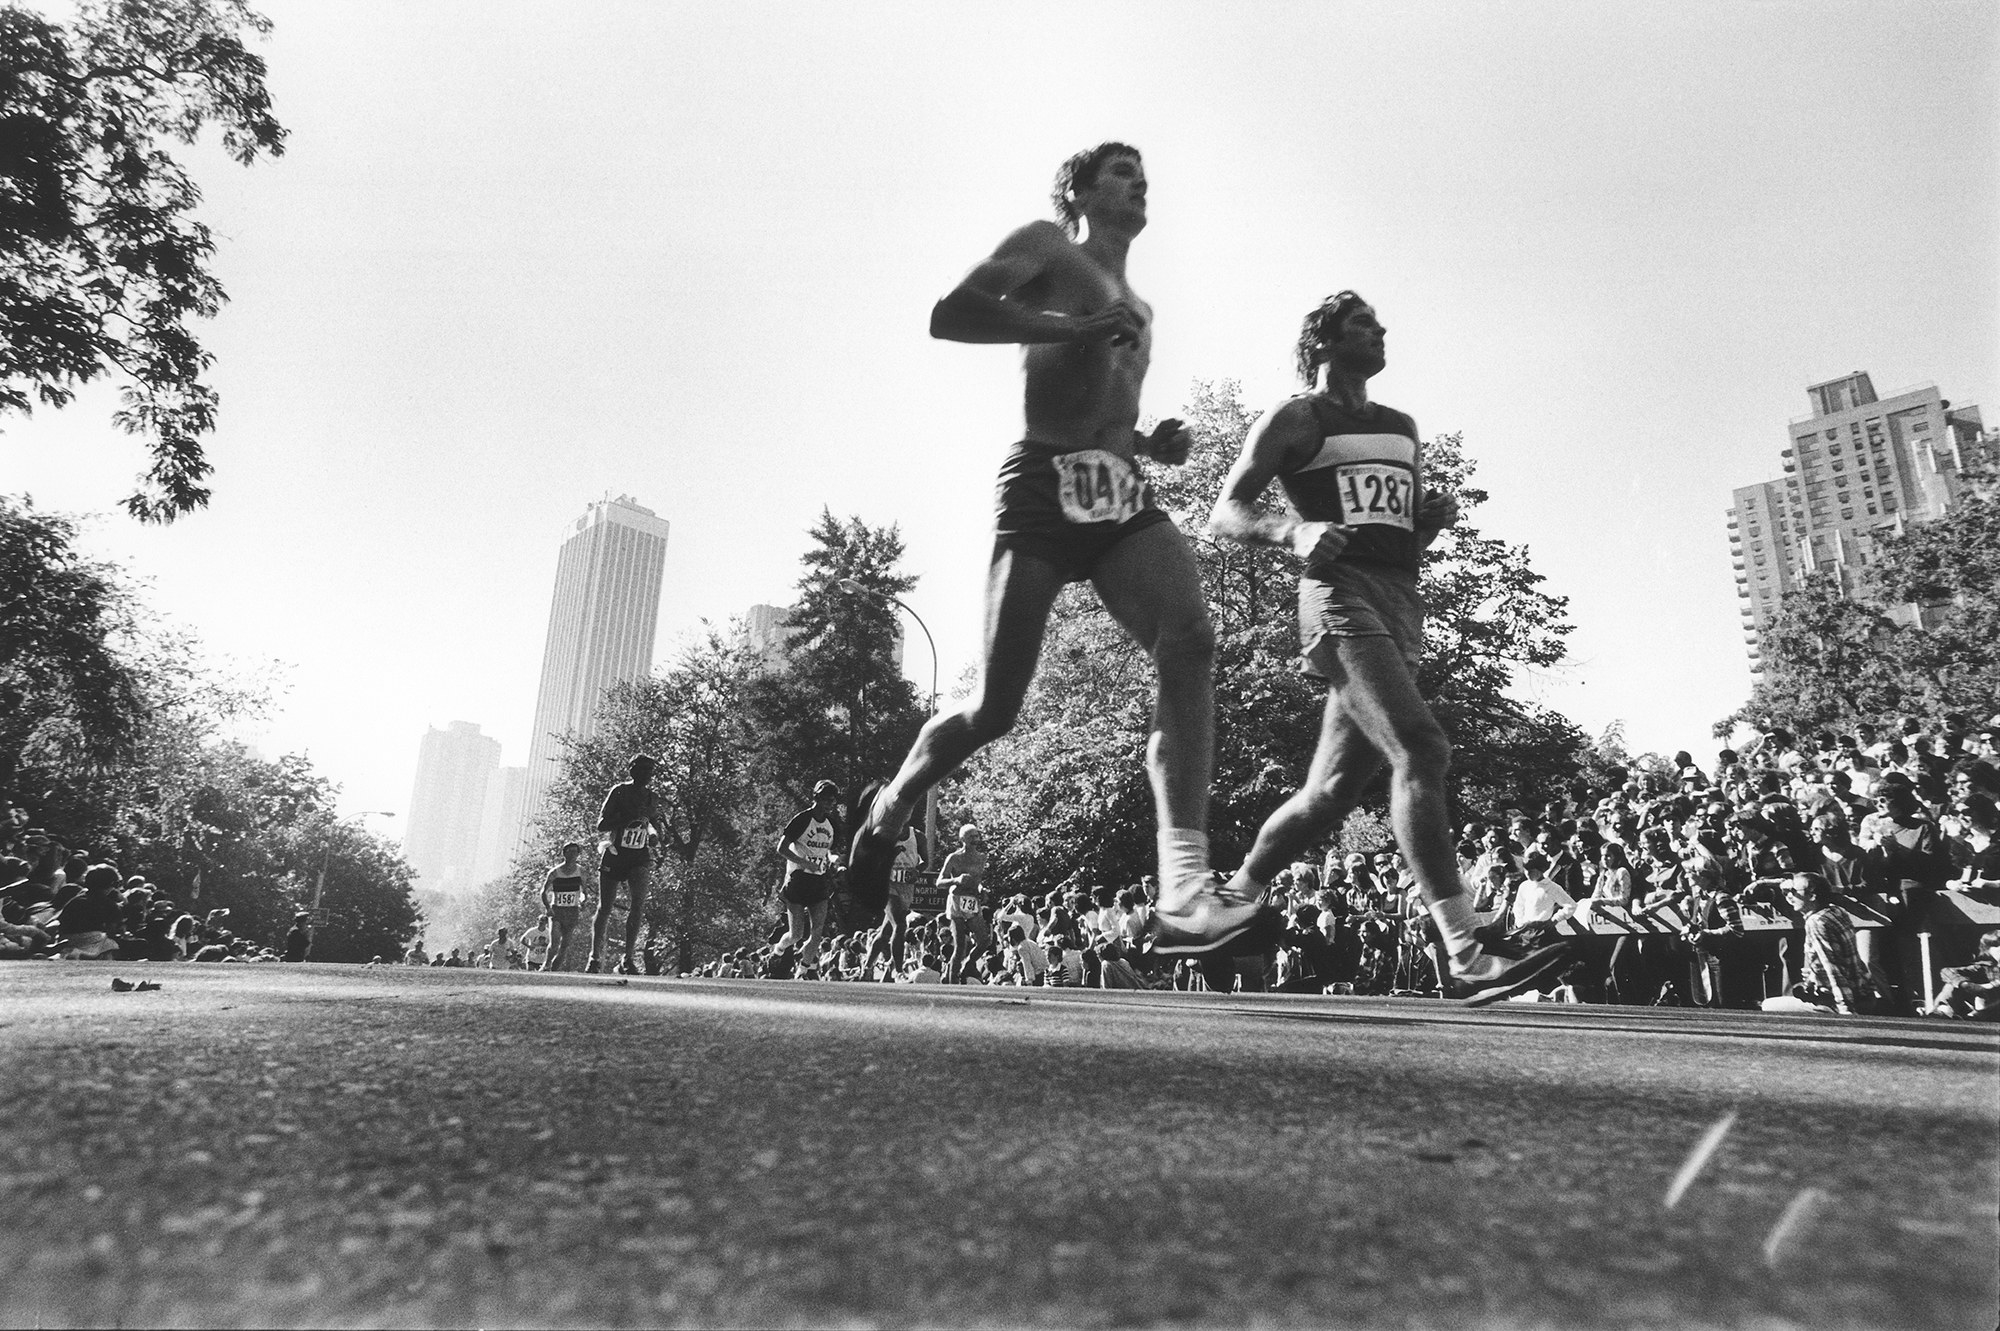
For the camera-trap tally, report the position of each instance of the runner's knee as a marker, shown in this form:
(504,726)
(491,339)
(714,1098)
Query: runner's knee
(1187,644)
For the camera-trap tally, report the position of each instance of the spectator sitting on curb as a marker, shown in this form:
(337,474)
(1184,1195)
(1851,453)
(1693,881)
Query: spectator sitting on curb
(87,925)
(1972,991)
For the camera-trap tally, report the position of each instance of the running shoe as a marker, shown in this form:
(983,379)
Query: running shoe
(1489,977)
(1200,916)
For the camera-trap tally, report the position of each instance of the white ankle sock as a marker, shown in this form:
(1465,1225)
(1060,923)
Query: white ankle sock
(1183,855)
(1456,922)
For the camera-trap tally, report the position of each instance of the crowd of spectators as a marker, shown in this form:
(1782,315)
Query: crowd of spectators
(1797,873)
(61,901)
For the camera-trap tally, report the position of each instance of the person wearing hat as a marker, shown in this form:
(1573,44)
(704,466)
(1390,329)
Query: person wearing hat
(628,823)
(299,939)
(807,848)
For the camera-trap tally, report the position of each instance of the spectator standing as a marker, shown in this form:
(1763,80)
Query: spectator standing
(298,938)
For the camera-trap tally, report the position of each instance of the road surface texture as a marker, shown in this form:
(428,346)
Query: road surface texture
(258,1145)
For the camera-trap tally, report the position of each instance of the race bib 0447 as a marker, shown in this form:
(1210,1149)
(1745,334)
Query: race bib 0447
(1096,486)
(1377,493)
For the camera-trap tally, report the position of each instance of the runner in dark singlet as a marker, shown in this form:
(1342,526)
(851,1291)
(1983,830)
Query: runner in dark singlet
(626,856)
(808,847)
(562,898)
(1353,470)
(1073,504)
(904,878)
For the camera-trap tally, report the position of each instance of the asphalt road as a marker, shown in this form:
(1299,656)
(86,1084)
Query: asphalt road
(258,1145)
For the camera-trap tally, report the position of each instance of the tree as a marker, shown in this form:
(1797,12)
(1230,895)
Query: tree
(1828,663)
(1065,794)
(840,709)
(102,263)
(68,696)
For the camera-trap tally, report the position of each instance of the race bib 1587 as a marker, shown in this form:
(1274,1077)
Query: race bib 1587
(1096,486)
(1378,493)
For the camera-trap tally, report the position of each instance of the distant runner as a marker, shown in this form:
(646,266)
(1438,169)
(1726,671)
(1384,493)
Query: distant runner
(562,898)
(807,847)
(628,823)
(904,877)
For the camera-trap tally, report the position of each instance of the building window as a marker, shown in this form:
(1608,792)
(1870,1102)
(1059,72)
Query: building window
(1871,510)
(1846,513)
(1921,427)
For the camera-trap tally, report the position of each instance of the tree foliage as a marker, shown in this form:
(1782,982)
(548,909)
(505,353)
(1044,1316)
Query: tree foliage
(103,265)
(117,740)
(1065,795)
(840,708)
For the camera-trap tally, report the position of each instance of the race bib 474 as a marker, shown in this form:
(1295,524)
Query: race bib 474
(1096,486)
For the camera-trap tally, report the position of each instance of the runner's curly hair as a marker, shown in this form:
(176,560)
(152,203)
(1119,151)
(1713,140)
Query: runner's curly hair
(1080,172)
(1320,330)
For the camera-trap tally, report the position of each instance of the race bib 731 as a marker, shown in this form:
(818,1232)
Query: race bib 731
(1096,486)
(1379,493)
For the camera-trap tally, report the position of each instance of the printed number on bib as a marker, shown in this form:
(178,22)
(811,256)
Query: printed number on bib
(1376,492)
(1096,486)
(568,898)
(632,838)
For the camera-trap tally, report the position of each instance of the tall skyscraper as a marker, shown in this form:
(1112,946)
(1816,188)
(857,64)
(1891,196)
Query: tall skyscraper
(442,839)
(601,624)
(500,823)
(1858,469)
(766,635)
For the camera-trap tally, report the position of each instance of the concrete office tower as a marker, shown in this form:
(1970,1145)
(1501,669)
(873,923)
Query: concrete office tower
(601,624)
(442,839)
(1859,468)
(500,823)
(765,634)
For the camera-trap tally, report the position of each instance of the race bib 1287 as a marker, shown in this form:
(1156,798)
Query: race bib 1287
(1379,493)
(1096,486)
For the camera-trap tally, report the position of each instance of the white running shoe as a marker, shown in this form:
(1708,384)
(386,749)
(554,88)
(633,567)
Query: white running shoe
(1200,915)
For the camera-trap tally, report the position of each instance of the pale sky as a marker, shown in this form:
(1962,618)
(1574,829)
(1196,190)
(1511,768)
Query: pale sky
(517,257)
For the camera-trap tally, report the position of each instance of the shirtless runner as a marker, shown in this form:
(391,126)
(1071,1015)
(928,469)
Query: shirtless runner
(626,856)
(1353,470)
(1073,504)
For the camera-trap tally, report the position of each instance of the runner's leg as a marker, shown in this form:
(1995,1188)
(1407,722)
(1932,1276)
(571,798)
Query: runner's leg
(607,893)
(899,932)
(635,915)
(795,927)
(816,913)
(1342,766)
(1150,585)
(1020,589)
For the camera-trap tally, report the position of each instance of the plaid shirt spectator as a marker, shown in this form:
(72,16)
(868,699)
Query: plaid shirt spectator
(1833,963)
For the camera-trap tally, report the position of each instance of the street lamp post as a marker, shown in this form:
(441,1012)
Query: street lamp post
(854,588)
(326,857)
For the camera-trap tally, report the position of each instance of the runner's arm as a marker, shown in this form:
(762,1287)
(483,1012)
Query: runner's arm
(607,818)
(985,305)
(1437,510)
(1276,438)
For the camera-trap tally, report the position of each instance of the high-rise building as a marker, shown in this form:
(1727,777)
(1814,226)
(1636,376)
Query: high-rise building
(500,823)
(442,838)
(1858,468)
(766,635)
(602,619)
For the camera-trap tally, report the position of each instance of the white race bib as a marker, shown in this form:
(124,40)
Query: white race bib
(1096,486)
(567,898)
(1377,493)
(633,838)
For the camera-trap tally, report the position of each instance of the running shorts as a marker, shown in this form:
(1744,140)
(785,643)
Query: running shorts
(1354,600)
(1069,509)
(903,885)
(808,889)
(566,916)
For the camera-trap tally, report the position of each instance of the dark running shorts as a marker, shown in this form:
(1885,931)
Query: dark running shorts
(808,889)
(1069,509)
(1357,601)
(566,916)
